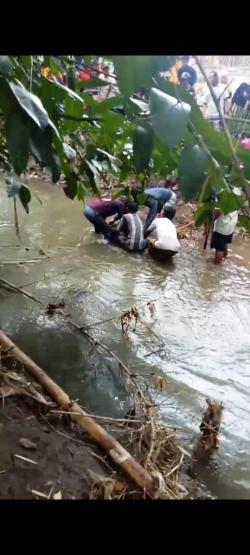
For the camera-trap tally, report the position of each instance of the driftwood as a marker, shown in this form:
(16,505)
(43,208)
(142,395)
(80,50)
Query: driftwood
(114,449)
(210,425)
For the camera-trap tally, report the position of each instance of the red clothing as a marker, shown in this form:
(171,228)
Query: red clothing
(84,76)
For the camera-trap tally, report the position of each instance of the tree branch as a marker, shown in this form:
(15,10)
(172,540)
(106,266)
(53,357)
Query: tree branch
(87,119)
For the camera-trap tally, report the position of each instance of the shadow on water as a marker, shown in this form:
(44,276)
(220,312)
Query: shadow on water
(198,339)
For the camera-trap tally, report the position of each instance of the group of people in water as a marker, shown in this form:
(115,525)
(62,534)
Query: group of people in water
(158,233)
(120,223)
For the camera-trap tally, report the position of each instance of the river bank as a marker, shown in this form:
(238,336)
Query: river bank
(45,455)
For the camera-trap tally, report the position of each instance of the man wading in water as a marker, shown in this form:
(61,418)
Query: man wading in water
(224,226)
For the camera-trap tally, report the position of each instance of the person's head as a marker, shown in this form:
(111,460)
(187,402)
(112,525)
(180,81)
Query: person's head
(169,211)
(132,206)
(171,182)
(214,78)
(185,59)
(105,70)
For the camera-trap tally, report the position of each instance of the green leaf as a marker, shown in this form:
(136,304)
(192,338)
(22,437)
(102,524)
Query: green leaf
(5,66)
(140,105)
(214,139)
(204,214)
(32,105)
(244,156)
(106,154)
(26,61)
(25,197)
(81,191)
(92,173)
(192,167)
(165,161)
(133,73)
(162,63)
(228,202)
(141,199)
(169,117)
(17,142)
(91,84)
(142,147)
(42,148)
(71,188)
(98,165)
(118,194)
(244,221)
(74,109)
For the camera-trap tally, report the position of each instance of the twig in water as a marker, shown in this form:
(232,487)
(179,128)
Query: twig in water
(45,278)
(113,355)
(16,219)
(154,352)
(12,287)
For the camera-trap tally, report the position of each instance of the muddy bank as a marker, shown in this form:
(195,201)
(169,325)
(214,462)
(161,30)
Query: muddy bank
(57,465)
(45,455)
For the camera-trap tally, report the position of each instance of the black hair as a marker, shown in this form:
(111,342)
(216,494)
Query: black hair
(132,206)
(169,212)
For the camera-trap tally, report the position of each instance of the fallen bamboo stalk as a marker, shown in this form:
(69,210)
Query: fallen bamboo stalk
(114,449)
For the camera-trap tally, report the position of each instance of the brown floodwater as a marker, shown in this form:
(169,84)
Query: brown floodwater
(201,321)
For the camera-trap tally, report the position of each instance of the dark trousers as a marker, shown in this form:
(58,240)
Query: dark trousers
(154,208)
(97,221)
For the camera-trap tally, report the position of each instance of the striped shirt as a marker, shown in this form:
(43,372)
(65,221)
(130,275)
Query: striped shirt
(131,224)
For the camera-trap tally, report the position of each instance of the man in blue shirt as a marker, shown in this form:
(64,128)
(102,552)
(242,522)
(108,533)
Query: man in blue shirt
(156,197)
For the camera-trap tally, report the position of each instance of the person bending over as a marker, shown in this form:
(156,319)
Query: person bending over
(163,233)
(155,199)
(129,233)
(97,210)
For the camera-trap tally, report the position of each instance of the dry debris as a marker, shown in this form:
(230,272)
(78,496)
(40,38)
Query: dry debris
(210,425)
(127,317)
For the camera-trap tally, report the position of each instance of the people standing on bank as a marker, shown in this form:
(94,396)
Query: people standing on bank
(222,95)
(187,76)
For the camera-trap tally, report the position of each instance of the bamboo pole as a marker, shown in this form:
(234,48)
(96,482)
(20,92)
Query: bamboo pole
(114,449)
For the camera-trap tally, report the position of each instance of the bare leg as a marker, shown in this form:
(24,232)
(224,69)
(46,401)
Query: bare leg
(225,252)
(218,257)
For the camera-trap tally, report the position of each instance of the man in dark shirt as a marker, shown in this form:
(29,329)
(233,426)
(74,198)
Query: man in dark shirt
(97,210)
(187,74)
(241,97)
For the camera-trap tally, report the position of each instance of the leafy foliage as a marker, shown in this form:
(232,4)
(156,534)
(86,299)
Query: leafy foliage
(121,136)
(192,170)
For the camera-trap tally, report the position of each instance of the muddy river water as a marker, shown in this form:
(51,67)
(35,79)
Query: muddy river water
(201,322)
